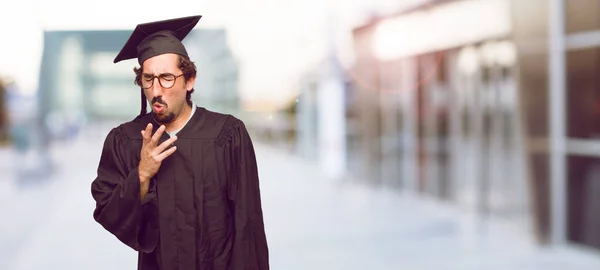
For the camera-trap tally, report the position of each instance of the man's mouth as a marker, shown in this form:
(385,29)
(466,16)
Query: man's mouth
(158,108)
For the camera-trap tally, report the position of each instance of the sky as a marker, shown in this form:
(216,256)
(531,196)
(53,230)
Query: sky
(274,40)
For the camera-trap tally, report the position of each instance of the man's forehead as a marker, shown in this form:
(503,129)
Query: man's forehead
(161,63)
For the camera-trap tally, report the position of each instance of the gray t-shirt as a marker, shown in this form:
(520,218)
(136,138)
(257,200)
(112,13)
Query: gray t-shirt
(173,133)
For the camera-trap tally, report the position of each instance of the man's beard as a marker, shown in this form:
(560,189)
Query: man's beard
(163,118)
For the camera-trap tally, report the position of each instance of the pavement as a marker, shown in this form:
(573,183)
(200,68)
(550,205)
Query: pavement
(312,222)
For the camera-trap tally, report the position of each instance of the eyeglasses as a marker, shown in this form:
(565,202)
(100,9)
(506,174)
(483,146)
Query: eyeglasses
(166,80)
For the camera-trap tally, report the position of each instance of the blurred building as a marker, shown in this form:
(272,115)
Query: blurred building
(324,121)
(463,100)
(79,80)
(438,109)
(4,125)
(218,70)
(579,49)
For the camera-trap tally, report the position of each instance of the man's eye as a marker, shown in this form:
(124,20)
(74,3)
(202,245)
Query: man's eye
(168,77)
(148,78)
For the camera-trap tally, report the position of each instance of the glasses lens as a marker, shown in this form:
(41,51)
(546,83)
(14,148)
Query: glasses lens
(147,81)
(167,80)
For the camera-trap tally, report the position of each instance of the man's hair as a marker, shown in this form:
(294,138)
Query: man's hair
(187,67)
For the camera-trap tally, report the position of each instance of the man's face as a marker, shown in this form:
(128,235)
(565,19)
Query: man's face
(167,101)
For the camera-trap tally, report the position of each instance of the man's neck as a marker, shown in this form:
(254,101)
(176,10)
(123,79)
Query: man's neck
(180,120)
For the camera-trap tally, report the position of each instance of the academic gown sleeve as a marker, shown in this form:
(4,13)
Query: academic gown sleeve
(116,190)
(250,251)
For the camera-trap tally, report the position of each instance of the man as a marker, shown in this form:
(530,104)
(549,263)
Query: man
(179,184)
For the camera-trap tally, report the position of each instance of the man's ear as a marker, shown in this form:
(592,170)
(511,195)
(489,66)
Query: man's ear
(189,85)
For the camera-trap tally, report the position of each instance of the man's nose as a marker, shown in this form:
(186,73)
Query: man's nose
(156,88)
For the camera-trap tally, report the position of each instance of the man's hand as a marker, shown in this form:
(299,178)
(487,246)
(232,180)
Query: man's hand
(151,155)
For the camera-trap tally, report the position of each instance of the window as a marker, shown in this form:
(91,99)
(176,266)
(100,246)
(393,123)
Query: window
(582,15)
(583,93)
(582,200)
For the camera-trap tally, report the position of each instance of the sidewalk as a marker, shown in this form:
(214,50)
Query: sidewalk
(311,222)
(316,223)
(23,205)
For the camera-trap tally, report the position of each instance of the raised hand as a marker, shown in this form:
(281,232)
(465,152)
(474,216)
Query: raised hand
(151,155)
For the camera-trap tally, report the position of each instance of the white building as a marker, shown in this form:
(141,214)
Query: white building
(78,76)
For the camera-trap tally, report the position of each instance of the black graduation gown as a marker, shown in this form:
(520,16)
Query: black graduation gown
(203,209)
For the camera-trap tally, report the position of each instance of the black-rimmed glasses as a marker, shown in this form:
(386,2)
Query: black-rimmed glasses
(166,80)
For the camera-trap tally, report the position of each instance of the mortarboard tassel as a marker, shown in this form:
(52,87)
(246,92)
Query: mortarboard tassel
(143,111)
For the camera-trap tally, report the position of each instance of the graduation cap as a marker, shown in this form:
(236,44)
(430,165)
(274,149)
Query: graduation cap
(156,38)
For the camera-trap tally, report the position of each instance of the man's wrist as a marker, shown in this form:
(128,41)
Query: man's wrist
(144,187)
(143,179)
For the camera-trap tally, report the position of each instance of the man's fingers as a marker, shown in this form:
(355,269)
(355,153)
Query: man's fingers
(165,154)
(146,133)
(165,144)
(157,134)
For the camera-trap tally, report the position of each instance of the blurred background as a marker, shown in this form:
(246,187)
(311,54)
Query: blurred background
(391,134)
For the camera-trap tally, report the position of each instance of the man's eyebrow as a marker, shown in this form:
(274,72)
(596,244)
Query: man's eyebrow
(162,73)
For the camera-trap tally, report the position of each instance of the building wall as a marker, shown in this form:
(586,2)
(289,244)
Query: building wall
(531,38)
(79,77)
(582,92)
(365,73)
(480,135)
(218,71)
(444,122)
(581,24)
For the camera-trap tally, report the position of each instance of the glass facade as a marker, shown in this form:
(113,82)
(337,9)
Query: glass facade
(470,124)
(445,124)
(583,199)
(582,23)
(581,15)
(583,95)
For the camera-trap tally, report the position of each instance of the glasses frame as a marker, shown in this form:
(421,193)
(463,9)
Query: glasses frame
(159,81)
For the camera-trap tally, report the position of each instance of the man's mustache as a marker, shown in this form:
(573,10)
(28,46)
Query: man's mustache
(158,100)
